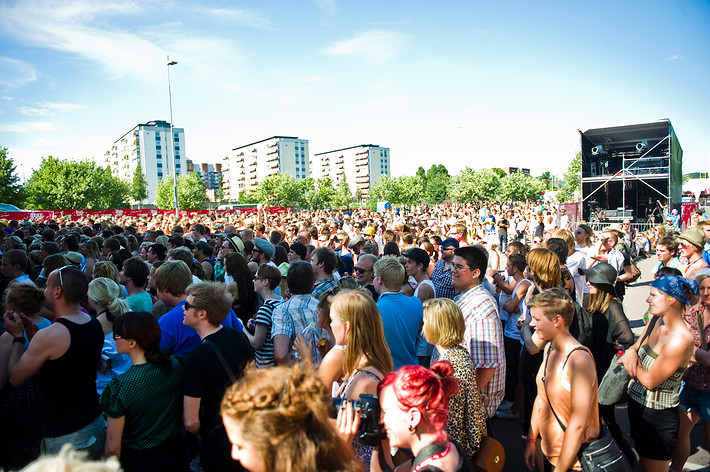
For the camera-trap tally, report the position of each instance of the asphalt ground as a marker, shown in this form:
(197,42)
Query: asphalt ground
(508,432)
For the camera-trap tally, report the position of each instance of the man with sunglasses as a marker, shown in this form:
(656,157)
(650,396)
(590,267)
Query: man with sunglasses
(365,273)
(66,355)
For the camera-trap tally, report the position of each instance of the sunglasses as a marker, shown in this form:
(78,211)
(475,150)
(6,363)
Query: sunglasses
(61,279)
(360,270)
(189,305)
(257,250)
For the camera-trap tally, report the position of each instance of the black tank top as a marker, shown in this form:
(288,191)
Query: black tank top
(69,383)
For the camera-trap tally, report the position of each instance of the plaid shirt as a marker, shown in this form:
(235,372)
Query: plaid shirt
(322,287)
(484,340)
(294,315)
(441,277)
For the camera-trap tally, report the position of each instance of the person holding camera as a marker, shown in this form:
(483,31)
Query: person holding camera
(356,324)
(277,421)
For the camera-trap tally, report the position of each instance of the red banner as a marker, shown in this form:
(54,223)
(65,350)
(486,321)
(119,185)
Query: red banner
(76,215)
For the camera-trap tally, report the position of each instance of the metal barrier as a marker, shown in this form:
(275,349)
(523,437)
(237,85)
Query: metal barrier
(639,227)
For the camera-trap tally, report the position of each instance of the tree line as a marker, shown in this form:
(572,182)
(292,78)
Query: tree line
(59,183)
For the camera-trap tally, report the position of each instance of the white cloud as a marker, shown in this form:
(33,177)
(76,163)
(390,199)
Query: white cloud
(62,106)
(95,31)
(29,111)
(28,127)
(674,57)
(376,46)
(327,6)
(15,73)
(7,98)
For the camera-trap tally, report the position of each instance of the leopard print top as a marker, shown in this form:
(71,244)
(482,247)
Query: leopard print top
(466,423)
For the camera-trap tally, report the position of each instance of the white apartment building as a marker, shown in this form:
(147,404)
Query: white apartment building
(246,166)
(360,165)
(148,145)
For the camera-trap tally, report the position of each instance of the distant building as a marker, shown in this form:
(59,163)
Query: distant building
(361,165)
(247,166)
(148,145)
(517,170)
(211,176)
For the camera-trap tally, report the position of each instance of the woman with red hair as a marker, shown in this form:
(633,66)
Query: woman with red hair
(415,402)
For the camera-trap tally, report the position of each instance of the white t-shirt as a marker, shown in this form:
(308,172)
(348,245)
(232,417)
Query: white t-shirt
(577,261)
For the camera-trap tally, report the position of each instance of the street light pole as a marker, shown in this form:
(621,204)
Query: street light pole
(172,140)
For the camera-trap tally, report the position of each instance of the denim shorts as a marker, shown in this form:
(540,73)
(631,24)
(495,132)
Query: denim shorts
(696,401)
(91,437)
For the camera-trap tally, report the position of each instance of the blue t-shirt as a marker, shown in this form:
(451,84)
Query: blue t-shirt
(401,318)
(180,340)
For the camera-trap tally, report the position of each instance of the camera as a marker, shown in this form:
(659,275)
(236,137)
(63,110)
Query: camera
(370,432)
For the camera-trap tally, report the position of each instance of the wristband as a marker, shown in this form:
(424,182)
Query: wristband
(532,441)
(19,339)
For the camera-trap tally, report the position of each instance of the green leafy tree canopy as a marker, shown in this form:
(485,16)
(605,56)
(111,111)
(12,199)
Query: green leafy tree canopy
(11,191)
(191,192)
(64,184)
(139,186)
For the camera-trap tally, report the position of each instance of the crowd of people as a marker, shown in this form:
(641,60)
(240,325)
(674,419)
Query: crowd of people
(120,338)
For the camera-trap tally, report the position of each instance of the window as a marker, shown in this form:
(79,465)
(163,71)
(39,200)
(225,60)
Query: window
(160,165)
(160,175)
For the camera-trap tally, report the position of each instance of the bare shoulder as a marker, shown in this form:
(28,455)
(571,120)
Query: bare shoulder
(53,340)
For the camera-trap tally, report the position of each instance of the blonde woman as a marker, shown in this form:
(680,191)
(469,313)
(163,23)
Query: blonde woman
(444,327)
(356,323)
(104,298)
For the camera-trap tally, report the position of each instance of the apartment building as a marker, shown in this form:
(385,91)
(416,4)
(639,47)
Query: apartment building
(361,165)
(248,165)
(211,176)
(148,145)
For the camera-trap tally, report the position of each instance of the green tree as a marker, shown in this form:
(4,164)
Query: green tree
(437,184)
(281,190)
(343,196)
(66,184)
(191,192)
(383,190)
(319,193)
(139,186)
(410,190)
(11,191)
(473,185)
(572,189)
(499,172)
(518,186)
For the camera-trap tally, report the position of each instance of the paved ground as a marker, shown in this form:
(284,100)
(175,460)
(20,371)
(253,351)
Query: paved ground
(508,432)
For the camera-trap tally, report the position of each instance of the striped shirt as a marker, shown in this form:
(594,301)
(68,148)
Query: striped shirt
(265,355)
(293,316)
(484,340)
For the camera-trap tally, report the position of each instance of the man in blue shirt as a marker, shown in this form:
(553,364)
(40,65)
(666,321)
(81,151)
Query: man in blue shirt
(171,282)
(401,315)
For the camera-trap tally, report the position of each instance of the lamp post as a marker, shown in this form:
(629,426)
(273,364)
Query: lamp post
(172,140)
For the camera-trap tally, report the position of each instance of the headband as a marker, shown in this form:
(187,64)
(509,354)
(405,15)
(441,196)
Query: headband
(675,285)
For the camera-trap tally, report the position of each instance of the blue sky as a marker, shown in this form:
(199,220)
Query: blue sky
(463,83)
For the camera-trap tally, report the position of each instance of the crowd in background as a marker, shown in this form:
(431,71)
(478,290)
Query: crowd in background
(121,337)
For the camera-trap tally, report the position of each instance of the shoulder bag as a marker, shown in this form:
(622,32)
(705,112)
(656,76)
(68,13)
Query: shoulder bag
(490,456)
(614,385)
(600,455)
